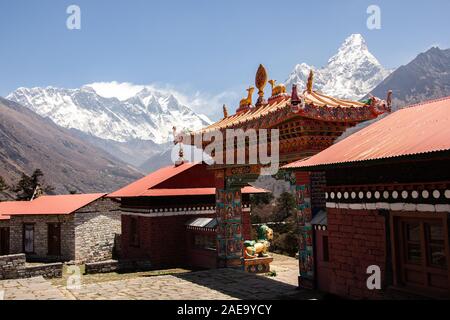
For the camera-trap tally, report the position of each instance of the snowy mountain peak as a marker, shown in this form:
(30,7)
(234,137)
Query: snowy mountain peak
(355,40)
(112,111)
(350,74)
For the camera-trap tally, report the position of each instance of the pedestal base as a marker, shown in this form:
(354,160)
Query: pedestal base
(257,265)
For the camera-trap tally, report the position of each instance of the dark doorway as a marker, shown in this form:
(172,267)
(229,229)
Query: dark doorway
(4,241)
(54,239)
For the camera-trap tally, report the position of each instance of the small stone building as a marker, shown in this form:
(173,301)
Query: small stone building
(80,228)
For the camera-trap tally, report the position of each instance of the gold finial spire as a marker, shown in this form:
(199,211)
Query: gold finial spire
(309,85)
(225,112)
(261,80)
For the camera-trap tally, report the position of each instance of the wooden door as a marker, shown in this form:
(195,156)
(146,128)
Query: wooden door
(28,238)
(4,241)
(424,254)
(322,260)
(54,239)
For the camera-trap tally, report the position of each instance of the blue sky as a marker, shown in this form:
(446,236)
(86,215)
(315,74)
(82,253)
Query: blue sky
(206,47)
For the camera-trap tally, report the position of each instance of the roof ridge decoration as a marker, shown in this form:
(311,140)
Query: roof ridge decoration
(225,111)
(309,85)
(260,83)
(309,104)
(246,103)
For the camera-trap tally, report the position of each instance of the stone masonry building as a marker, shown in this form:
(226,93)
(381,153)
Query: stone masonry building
(80,228)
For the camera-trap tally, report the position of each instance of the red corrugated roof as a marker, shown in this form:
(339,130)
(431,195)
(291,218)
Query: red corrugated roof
(60,204)
(418,129)
(9,207)
(193,192)
(139,187)
(147,186)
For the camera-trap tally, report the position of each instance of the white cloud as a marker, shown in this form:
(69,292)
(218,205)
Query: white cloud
(114,89)
(201,102)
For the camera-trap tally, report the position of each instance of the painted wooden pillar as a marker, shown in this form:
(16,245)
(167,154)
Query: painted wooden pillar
(306,277)
(229,225)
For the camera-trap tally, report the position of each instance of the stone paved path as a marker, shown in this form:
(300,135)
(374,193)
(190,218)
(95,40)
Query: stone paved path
(204,285)
(222,284)
(286,269)
(29,289)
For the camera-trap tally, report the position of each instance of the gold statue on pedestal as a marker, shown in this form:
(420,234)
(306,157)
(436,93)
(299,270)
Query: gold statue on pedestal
(247,101)
(277,89)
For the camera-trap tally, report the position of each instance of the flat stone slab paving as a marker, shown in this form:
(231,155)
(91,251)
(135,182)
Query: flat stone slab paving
(286,269)
(223,284)
(29,289)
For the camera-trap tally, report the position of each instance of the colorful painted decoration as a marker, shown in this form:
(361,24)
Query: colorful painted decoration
(229,229)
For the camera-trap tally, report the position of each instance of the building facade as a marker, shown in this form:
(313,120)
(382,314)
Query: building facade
(77,228)
(303,124)
(159,213)
(387,196)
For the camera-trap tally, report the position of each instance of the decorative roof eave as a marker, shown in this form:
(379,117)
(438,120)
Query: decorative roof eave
(337,114)
(284,107)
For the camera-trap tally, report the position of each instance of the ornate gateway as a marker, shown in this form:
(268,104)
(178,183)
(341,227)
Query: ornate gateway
(306,123)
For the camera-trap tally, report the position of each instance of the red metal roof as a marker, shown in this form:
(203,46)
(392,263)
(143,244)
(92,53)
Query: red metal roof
(49,205)
(139,187)
(418,129)
(9,207)
(194,192)
(148,186)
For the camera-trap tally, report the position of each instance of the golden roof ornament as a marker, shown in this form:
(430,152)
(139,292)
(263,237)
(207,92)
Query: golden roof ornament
(277,89)
(225,112)
(247,101)
(309,85)
(260,83)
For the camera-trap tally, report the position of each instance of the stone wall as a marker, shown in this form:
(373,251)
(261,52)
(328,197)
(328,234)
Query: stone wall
(41,236)
(102,267)
(117,266)
(15,267)
(96,227)
(357,240)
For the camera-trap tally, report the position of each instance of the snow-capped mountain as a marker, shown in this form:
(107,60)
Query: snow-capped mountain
(149,114)
(350,74)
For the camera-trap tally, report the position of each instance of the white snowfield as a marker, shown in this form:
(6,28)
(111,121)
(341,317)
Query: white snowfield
(148,115)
